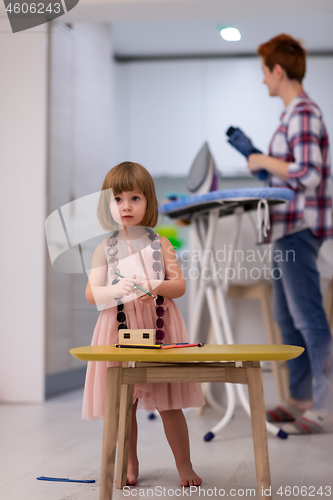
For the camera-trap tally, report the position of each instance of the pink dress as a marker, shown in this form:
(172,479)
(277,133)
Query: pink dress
(161,396)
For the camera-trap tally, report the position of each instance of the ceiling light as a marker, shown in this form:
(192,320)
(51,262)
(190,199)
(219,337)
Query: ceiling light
(230,34)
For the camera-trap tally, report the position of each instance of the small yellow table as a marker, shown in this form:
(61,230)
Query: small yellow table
(238,364)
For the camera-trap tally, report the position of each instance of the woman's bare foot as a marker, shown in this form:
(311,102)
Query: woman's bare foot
(188,477)
(300,404)
(132,473)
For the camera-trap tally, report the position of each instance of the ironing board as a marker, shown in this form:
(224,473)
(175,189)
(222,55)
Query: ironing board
(205,211)
(216,363)
(226,200)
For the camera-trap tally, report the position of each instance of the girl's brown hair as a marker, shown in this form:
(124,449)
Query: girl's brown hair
(286,51)
(127,176)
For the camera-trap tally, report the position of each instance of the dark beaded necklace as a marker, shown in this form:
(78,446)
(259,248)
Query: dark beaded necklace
(157,266)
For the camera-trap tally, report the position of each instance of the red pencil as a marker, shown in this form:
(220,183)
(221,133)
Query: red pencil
(172,346)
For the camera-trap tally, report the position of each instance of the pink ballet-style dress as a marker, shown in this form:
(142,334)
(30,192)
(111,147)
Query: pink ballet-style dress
(160,396)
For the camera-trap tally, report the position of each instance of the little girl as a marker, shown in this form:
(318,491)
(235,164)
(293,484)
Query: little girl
(133,206)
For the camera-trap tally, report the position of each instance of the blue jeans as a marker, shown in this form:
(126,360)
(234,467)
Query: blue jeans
(300,315)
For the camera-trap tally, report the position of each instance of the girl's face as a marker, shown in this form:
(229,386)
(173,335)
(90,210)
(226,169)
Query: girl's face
(128,208)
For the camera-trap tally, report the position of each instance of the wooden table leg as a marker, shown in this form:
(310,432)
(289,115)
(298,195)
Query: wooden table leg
(124,435)
(259,432)
(110,431)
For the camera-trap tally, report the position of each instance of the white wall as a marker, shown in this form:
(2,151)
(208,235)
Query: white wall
(24,187)
(81,96)
(23,62)
(167,109)
(93,106)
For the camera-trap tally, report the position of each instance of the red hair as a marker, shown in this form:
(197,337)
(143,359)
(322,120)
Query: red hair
(287,52)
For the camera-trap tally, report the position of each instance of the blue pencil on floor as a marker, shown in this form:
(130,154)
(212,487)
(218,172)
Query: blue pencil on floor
(65,479)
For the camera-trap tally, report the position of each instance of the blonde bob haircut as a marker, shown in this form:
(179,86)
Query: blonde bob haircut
(127,176)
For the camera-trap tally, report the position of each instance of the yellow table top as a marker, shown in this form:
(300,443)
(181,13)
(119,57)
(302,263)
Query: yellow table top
(251,352)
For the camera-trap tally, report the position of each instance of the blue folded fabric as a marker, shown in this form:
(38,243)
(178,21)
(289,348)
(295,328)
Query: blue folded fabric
(65,480)
(244,145)
(176,196)
(241,142)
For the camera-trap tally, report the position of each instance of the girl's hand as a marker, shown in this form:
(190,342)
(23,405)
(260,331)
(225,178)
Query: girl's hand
(146,299)
(125,286)
(147,285)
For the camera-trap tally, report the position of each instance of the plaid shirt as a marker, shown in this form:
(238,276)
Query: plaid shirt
(301,140)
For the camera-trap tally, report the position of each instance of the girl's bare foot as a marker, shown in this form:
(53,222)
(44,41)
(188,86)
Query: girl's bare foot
(188,477)
(132,473)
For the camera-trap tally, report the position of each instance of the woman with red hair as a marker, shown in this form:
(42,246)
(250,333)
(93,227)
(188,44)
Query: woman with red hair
(299,159)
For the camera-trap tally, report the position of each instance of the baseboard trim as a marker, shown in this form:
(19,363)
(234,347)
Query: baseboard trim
(58,383)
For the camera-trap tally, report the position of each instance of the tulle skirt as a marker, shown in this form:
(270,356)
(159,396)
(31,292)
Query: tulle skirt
(160,396)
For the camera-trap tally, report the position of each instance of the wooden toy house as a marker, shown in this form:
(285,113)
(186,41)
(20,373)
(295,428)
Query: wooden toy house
(137,336)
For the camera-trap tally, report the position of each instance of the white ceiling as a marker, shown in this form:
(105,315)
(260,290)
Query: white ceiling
(176,27)
(116,10)
(183,27)
(203,37)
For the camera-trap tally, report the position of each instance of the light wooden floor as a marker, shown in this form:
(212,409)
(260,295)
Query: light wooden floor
(52,440)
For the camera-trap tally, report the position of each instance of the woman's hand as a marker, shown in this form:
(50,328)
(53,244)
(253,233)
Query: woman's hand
(274,166)
(256,162)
